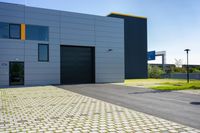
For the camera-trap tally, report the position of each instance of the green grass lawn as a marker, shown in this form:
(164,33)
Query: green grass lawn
(164,84)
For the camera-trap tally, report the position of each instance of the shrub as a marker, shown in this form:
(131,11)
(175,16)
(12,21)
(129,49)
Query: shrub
(179,70)
(195,70)
(154,72)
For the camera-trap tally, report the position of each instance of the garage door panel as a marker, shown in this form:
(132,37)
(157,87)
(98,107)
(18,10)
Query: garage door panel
(77,65)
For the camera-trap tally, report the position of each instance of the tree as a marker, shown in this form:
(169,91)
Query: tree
(178,63)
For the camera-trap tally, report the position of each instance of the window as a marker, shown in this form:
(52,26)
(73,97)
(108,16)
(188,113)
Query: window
(43,52)
(4,30)
(14,32)
(40,33)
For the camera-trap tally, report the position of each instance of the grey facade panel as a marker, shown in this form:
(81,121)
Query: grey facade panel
(11,13)
(109,56)
(16,7)
(77,15)
(12,57)
(77,42)
(88,38)
(73,20)
(104,44)
(65,28)
(78,32)
(40,16)
(108,29)
(109,19)
(39,72)
(40,22)
(74,26)
(109,39)
(12,51)
(11,19)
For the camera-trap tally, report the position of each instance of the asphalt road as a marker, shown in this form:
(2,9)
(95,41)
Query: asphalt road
(173,106)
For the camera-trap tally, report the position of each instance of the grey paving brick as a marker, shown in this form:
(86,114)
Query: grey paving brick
(50,109)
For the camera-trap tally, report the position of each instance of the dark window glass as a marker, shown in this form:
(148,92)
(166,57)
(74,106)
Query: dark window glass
(34,32)
(15,31)
(43,52)
(16,73)
(4,30)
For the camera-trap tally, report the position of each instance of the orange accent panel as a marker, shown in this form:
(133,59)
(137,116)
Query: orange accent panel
(23,32)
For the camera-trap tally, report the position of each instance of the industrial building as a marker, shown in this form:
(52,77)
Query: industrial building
(42,46)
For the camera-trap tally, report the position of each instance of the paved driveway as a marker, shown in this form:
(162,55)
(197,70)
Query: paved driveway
(174,106)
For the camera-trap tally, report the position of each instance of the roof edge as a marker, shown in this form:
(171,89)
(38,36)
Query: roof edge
(127,15)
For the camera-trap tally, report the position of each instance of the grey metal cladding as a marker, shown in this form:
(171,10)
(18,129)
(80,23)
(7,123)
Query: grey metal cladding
(38,72)
(10,50)
(11,13)
(105,59)
(76,15)
(86,21)
(41,17)
(65,28)
(76,23)
(7,6)
(42,72)
(89,38)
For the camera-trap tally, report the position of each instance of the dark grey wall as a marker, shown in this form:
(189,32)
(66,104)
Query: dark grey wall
(135,35)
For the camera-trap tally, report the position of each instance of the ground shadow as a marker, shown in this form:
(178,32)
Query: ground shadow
(195,103)
(153,91)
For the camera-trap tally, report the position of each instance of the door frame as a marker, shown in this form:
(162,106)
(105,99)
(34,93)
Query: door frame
(10,71)
(93,61)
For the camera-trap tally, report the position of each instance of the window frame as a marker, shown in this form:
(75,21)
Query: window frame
(40,44)
(10,37)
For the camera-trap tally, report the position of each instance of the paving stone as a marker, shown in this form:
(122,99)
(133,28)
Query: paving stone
(51,109)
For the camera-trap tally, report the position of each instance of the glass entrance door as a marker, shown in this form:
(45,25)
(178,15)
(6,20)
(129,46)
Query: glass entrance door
(16,73)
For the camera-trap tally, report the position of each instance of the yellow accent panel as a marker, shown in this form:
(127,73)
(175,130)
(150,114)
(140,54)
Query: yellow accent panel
(23,32)
(128,15)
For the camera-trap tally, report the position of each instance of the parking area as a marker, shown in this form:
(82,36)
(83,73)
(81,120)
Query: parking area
(171,105)
(51,109)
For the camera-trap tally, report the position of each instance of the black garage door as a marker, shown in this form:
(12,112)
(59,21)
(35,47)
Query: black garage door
(77,65)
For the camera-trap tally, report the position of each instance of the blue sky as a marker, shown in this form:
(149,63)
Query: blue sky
(173,25)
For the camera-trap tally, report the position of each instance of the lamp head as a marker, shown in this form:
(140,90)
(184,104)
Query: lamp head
(187,50)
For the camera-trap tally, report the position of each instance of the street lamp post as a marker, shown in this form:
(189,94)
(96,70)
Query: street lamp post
(187,51)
